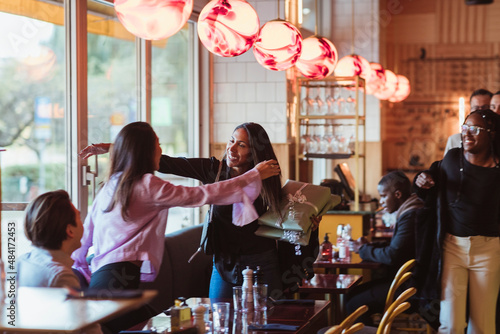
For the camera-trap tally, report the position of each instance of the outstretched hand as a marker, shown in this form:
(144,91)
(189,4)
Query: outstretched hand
(268,169)
(94,149)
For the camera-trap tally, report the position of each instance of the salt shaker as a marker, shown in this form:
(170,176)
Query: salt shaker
(199,317)
(247,287)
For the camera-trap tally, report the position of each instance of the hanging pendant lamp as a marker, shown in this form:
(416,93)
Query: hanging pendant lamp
(376,79)
(318,59)
(391,84)
(153,19)
(228,28)
(278,45)
(403,89)
(353,65)
(319,56)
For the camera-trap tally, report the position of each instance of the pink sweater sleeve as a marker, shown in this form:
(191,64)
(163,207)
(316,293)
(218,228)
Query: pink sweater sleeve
(242,190)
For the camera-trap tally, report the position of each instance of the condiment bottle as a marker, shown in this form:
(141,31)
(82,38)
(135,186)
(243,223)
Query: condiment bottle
(258,276)
(326,249)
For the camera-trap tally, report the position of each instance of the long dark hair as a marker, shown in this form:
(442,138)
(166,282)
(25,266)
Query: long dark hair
(261,149)
(132,155)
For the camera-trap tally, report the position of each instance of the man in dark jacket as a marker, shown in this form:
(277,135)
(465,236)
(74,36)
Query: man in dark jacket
(395,197)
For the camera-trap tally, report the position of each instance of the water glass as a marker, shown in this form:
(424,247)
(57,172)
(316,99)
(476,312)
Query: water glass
(260,317)
(238,299)
(221,317)
(260,297)
(240,323)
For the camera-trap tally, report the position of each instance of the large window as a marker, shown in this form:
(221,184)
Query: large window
(32,92)
(172,107)
(32,101)
(111,80)
(35,132)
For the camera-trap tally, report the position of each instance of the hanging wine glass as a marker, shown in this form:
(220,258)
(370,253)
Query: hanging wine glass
(303,139)
(323,142)
(318,102)
(341,102)
(329,137)
(317,136)
(350,104)
(311,146)
(330,101)
(306,104)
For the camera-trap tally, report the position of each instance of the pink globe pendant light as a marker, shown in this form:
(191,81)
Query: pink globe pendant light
(353,65)
(376,79)
(391,84)
(228,28)
(153,19)
(403,89)
(318,59)
(278,45)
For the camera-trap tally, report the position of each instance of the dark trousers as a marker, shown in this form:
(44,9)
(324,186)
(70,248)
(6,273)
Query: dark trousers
(120,276)
(372,294)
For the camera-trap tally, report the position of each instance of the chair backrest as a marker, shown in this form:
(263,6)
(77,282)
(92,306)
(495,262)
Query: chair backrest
(347,326)
(400,309)
(391,312)
(354,328)
(349,320)
(401,276)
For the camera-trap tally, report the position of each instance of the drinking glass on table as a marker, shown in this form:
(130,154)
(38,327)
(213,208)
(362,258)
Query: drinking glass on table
(220,314)
(238,300)
(260,297)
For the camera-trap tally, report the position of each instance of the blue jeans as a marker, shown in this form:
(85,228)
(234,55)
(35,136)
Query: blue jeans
(269,265)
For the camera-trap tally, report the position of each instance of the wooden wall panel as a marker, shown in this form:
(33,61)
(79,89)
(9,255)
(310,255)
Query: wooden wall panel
(447,49)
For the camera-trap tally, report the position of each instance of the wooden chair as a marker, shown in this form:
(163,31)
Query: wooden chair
(346,326)
(403,275)
(395,309)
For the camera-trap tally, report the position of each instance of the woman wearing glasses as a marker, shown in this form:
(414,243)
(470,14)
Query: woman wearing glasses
(467,185)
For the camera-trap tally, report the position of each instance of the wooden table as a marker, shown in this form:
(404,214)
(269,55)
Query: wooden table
(41,310)
(309,317)
(332,285)
(342,265)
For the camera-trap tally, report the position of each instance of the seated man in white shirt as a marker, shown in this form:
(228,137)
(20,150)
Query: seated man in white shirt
(54,227)
(479,100)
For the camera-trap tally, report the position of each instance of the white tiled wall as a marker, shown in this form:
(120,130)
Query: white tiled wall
(247,92)
(366,44)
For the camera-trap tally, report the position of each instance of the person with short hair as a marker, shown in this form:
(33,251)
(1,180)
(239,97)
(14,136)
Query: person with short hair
(53,225)
(395,197)
(495,102)
(479,100)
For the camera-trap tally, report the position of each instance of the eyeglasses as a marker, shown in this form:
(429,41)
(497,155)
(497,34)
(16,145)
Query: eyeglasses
(483,107)
(473,129)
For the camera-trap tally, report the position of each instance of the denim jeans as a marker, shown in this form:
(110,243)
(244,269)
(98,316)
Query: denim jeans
(470,264)
(269,265)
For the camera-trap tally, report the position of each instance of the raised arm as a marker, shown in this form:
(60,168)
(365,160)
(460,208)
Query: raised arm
(94,149)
